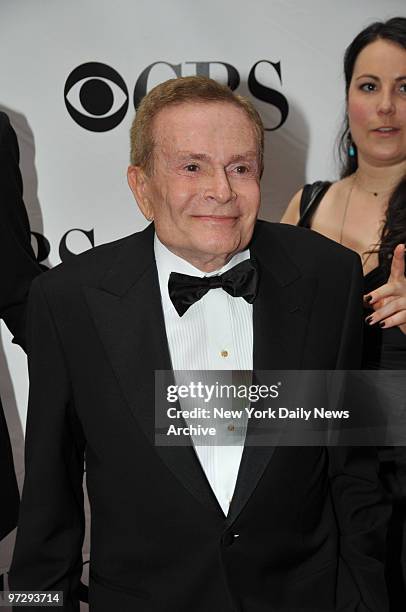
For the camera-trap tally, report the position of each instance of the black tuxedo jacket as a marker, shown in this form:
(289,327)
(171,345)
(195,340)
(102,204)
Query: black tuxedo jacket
(18,268)
(309,520)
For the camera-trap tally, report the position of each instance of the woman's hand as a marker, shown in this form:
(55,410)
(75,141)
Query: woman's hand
(389,300)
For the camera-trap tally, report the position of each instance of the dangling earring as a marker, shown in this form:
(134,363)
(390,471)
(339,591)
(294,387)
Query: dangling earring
(350,145)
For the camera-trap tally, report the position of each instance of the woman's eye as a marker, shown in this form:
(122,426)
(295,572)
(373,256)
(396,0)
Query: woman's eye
(368,87)
(403,87)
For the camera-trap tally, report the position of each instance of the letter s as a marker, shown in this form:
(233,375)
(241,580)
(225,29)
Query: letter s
(267,94)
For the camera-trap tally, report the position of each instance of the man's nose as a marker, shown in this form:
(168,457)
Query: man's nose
(219,188)
(386,102)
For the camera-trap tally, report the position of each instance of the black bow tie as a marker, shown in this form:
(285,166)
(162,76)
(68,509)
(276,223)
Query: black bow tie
(239,281)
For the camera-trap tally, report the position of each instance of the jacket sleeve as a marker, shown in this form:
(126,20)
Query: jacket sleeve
(357,493)
(18,263)
(47,553)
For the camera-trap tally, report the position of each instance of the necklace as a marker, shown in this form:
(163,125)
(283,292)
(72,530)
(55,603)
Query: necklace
(371,192)
(347,203)
(346,208)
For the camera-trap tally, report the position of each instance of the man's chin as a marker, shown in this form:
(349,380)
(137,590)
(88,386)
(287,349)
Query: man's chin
(221,252)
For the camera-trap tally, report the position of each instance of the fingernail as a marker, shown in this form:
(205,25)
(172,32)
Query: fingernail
(368,298)
(381,323)
(369,320)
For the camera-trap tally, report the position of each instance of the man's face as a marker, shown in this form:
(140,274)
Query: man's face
(203,193)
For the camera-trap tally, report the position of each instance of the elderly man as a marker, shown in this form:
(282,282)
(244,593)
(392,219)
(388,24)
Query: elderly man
(193,529)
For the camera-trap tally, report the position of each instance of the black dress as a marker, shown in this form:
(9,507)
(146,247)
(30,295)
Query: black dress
(18,268)
(383,349)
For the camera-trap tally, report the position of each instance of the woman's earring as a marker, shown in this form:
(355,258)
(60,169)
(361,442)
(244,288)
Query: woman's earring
(351,147)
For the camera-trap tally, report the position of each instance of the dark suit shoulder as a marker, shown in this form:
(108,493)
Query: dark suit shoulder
(90,267)
(8,139)
(308,250)
(4,123)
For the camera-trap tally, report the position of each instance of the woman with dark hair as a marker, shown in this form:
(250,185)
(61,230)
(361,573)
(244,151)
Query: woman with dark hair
(366,211)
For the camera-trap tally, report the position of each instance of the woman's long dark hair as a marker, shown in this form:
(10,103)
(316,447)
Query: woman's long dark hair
(394,229)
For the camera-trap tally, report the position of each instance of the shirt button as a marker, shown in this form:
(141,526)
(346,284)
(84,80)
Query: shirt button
(230,427)
(224,353)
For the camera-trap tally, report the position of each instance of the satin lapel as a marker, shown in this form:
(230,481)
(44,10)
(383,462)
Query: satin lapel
(281,315)
(126,308)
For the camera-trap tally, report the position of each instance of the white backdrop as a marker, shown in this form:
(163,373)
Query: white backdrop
(74,177)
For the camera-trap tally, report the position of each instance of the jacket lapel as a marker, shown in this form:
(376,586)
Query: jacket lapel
(280,318)
(126,308)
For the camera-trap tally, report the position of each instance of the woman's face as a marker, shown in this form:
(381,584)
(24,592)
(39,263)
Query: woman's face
(377,104)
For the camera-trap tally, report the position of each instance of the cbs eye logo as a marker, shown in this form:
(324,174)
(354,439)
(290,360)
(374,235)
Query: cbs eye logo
(96,97)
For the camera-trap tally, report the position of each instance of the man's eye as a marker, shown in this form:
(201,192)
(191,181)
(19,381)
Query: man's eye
(403,88)
(368,87)
(192,167)
(241,169)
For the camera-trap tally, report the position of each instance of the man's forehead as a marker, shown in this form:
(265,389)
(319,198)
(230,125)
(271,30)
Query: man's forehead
(201,107)
(194,129)
(194,115)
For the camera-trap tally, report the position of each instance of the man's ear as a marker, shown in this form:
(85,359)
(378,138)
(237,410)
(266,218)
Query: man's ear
(138,183)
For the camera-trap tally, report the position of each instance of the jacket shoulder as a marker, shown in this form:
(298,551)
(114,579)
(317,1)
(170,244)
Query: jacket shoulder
(92,265)
(305,247)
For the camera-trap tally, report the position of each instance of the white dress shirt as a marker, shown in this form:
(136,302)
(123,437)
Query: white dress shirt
(215,333)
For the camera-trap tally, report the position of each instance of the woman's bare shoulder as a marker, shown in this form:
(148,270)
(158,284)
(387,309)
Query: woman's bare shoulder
(292,212)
